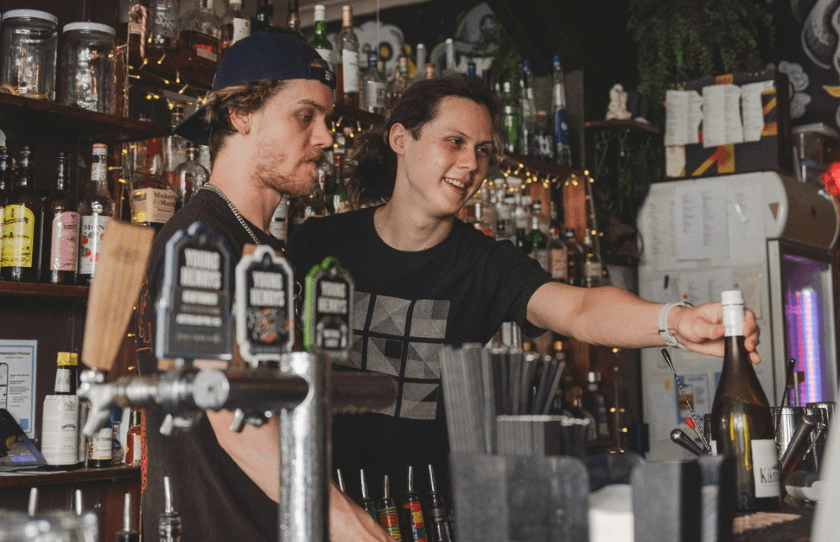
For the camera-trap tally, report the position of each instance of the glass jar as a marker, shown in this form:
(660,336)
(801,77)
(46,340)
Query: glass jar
(28,53)
(87,69)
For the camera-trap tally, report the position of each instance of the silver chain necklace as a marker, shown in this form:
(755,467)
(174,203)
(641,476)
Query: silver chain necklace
(217,190)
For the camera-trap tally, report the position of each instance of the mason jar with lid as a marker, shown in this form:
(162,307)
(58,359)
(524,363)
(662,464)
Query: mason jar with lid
(87,68)
(28,53)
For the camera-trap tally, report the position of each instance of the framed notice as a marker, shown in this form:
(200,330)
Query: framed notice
(17,381)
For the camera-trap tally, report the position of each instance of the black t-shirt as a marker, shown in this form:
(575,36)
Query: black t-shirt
(407,306)
(216,500)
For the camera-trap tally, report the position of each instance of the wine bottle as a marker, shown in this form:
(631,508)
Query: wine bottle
(96,209)
(60,431)
(319,40)
(347,61)
(21,225)
(742,423)
(61,230)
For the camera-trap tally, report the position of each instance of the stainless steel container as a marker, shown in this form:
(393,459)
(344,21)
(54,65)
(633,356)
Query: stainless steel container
(784,420)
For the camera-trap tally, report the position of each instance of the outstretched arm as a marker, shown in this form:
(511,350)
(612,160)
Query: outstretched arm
(614,317)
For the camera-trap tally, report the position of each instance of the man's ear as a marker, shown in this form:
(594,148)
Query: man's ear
(397,138)
(241,122)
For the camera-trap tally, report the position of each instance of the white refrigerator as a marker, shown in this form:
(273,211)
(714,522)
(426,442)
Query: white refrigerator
(765,234)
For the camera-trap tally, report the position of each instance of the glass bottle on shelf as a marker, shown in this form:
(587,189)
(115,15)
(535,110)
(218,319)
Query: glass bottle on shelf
(136,31)
(61,230)
(558,255)
(562,147)
(592,268)
(337,199)
(319,40)
(264,17)
(575,259)
(400,82)
(375,86)
(22,225)
(279,225)
(293,21)
(200,33)
(152,198)
(420,62)
(742,423)
(189,176)
(511,121)
(539,242)
(164,24)
(595,403)
(543,144)
(305,207)
(527,109)
(5,183)
(235,26)
(347,61)
(174,151)
(96,209)
(60,420)
(450,67)
(134,438)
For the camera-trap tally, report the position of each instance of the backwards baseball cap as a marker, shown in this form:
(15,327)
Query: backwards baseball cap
(264,55)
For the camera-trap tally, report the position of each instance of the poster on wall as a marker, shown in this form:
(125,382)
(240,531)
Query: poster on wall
(17,381)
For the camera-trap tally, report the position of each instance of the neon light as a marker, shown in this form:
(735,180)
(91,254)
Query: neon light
(805,341)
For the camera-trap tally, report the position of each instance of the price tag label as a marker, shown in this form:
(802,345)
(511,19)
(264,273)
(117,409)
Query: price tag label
(265,312)
(194,306)
(329,310)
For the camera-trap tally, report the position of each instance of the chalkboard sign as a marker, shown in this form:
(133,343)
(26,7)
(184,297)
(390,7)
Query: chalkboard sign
(194,306)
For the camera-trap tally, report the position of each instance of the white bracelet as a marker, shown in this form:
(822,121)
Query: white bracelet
(666,335)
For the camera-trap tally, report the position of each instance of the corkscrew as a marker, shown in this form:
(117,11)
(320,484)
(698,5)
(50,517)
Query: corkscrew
(694,418)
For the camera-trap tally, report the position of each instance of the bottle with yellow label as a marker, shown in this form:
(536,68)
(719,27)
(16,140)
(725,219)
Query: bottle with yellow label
(21,225)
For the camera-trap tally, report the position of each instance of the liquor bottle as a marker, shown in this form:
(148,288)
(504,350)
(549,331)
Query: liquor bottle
(60,259)
(558,256)
(169,521)
(174,147)
(96,209)
(527,109)
(235,26)
(152,198)
(558,401)
(387,512)
(347,61)
(511,121)
(420,62)
(488,218)
(574,406)
(117,450)
(366,502)
(189,177)
(449,67)
(264,17)
(742,423)
(374,87)
(22,225)
(319,40)
(337,199)
(592,268)
(539,242)
(562,148)
(200,33)
(5,178)
(400,82)
(101,447)
(522,242)
(415,526)
(164,24)
(60,422)
(293,21)
(595,403)
(137,31)
(134,438)
(543,145)
(440,527)
(575,259)
(279,225)
(472,73)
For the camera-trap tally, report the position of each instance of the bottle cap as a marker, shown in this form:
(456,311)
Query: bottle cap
(74,359)
(593,376)
(732,297)
(63,359)
(100,149)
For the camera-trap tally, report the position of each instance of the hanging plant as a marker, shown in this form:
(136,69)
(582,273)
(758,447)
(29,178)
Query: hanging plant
(680,40)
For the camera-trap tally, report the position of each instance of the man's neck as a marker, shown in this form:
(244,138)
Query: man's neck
(256,204)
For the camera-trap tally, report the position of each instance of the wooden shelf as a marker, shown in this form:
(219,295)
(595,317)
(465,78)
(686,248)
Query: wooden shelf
(34,289)
(44,116)
(83,475)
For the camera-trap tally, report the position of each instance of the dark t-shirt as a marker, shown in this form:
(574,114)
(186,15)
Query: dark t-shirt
(407,306)
(216,500)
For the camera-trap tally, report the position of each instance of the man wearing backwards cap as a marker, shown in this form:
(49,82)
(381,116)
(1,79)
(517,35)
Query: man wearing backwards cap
(265,122)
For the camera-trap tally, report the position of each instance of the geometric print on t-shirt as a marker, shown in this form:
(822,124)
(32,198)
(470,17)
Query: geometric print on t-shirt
(402,338)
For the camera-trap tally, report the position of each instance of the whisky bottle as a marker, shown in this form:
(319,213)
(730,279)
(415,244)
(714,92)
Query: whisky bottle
(60,259)
(60,423)
(200,33)
(235,26)
(347,61)
(293,21)
(134,438)
(96,209)
(164,24)
(189,176)
(152,198)
(22,225)
(319,40)
(742,423)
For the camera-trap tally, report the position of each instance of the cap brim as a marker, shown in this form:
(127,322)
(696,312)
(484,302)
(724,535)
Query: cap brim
(194,128)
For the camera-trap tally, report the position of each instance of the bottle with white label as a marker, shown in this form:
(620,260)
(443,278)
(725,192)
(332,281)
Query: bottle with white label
(319,40)
(347,61)
(96,209)
(60,426)
(742,423)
